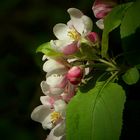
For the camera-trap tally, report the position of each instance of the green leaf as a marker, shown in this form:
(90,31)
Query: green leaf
(97,114)
(112,21)
(47,50)
(131,76)
(130,33)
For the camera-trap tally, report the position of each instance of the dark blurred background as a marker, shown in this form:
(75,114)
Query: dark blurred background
(24,25)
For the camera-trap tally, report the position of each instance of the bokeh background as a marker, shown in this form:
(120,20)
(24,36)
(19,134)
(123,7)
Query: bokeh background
(24,25)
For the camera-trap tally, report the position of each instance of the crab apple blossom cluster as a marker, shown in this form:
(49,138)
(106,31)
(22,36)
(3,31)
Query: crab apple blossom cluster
(65,71)
(59,87)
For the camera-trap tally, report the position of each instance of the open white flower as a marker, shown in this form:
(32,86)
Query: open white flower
(69,35)
(48,117)
(55,77)
(54,84)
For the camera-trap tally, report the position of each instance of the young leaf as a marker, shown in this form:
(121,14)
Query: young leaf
(47,50)
(130,33)
(112,21)
(97,114)
(131,76)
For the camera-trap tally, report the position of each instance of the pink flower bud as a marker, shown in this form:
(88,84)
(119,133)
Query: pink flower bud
(93,37)
(70,49)
(75,75)
(102,7)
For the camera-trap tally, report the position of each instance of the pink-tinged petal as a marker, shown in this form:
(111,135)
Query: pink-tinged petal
(60,30)
(100,24)
(69,92)
(93,37)
(88,24)
(52,65)
(47,101)
(59,45)
(40,113)
(70,49)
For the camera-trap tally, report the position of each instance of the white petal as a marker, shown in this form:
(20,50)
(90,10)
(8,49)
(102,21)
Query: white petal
(61,31)
(44,57)
(55,80)
(60,106)
(51,136)
(40,113)
(52,65)
(75,13)
(47,124)
(47,101)
(78,25)
(56,91)
(87,23)
(100,23)
(44,87)
(76,20)
(60,129)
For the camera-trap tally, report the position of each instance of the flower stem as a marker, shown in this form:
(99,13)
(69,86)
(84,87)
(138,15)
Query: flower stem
(107,63)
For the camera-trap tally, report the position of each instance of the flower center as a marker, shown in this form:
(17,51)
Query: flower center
(55,116)
(74,34)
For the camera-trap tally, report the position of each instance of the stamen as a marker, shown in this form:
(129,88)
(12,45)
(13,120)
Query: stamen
(55,116)
(74,34)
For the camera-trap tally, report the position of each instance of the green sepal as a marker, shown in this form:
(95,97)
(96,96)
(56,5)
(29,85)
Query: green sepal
(47,50)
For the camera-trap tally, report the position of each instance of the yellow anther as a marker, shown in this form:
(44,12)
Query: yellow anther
(55,116)
(74,34)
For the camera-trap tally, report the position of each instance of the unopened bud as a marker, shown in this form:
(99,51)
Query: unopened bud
(75,75)
(102,7)
(93,37)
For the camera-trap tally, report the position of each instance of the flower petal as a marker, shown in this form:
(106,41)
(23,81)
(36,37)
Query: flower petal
(47,123)
(60,106)
(60,30)
(56,81)
(40,113)
(44,87)
(76,21)
(75,13)
(100,23)
(47,101)
(60,129)
(56,91)
(70,49)
(51,136)
(87,23)
(52,65)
